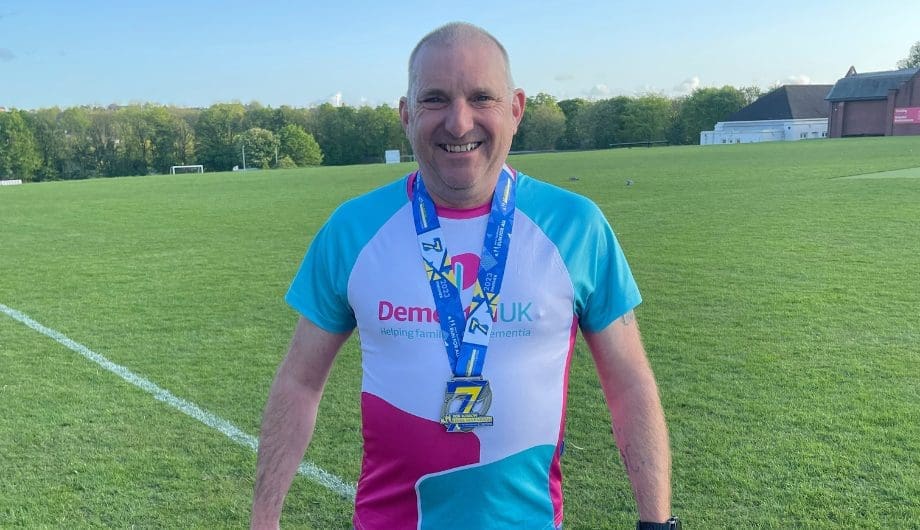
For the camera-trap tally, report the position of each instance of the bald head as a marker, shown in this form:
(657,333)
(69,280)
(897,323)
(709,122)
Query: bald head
(450,35)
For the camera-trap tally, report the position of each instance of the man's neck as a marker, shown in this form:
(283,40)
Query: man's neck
(459,199)
(461,202)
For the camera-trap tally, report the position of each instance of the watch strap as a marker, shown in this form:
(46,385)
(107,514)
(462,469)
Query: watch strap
(671,524)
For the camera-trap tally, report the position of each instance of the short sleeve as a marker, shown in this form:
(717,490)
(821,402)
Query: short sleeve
(319,289)
(606,289)
(603,285)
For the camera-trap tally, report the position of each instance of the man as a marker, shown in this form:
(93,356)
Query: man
(466,333)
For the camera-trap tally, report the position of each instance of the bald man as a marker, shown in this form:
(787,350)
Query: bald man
(466,345)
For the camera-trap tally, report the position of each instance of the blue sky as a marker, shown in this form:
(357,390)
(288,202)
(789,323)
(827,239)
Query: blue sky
(196,53)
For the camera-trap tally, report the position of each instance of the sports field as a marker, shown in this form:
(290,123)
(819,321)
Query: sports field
(781,316)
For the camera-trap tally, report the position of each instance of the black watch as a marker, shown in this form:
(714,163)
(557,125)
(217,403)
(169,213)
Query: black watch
(671,524)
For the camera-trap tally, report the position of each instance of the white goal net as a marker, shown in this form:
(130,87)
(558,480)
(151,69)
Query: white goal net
(195,168)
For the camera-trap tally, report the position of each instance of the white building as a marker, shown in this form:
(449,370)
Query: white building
(789,113)
(745,132)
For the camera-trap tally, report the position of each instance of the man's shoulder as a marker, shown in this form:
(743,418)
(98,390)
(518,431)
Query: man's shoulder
(373,207)
(540,199)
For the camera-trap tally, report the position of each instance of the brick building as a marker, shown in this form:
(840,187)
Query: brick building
(875,104)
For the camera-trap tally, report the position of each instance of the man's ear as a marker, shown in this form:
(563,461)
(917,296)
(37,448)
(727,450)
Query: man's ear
(518,102)
(404,113)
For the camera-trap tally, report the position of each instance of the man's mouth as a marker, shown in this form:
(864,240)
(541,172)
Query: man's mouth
(460,148)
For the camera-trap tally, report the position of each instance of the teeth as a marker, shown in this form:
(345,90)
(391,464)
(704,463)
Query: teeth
(461,148)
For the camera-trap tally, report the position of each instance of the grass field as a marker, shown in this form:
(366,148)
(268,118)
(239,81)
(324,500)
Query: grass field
(781,315)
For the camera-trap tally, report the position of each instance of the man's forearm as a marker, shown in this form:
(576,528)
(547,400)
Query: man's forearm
(642,438)
(289,417)
(635,409)
(287,427)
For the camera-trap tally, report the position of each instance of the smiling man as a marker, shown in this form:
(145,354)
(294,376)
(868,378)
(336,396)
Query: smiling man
(460,115)
(466,347)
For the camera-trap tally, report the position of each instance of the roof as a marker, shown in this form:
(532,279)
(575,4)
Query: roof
(788,102)
(871,85)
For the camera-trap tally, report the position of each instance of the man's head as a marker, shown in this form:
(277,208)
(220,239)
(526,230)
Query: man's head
(461,112)
(456,33)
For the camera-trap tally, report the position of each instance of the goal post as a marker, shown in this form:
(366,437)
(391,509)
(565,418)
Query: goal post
(194,168)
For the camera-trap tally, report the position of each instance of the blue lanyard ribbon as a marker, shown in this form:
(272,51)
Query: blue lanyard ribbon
(466,335)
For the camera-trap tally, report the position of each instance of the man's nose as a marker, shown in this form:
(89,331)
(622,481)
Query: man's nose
(459,118)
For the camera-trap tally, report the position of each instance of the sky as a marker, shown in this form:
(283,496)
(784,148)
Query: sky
(196,53)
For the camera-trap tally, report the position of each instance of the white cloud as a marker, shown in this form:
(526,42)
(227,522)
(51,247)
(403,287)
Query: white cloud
(6,55)
(800,79)
(336,100)
(646,90)
(599,91)
(564,77)
(687,86)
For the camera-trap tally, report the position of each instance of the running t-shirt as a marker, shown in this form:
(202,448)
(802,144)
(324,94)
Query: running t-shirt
(565,269)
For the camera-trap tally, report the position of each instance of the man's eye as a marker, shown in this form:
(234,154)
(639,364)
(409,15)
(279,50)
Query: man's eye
(433,100)
(483,98)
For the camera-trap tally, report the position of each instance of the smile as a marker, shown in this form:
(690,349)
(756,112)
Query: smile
(464,148)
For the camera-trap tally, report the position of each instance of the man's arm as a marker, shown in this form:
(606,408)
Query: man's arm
(635,408)
(289,417)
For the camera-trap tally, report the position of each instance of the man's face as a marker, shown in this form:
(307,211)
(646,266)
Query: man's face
(460,118)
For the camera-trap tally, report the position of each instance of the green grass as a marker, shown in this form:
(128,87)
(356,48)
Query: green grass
(781,315)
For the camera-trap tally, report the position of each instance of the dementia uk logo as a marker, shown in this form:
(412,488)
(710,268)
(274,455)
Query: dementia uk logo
(513,312)
(465,268)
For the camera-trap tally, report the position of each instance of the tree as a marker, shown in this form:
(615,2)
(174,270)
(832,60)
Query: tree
(372,141)
(19,157)
(396,135)
(286,163)
(570,108)
(261,117)
(79,160)
(216,132)
(135,149)
(285,115)
(377,129)
(645,119)
(337,133)
(49,140)
(542,125)
(299,146)
(103,139)
(913,57)
(704,108)
(171,137)
(676,132)
(261,147)
(751,93)
(600,123)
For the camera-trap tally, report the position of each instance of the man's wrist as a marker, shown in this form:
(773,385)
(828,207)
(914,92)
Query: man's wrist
(671,524)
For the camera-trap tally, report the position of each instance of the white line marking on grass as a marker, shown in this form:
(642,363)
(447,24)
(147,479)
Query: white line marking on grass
(307,469)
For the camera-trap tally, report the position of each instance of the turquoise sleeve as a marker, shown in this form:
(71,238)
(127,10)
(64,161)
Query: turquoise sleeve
(603,284)
(606,288)
(319,290)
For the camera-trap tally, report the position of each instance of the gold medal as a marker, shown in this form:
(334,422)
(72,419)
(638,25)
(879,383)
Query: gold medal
(466,402)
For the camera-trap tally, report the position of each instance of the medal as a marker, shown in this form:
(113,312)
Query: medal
(468,396)
(466,401)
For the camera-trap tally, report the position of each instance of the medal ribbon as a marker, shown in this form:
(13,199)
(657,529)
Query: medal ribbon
(466,334)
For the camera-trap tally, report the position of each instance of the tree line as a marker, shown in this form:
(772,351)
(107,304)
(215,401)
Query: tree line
(85,142)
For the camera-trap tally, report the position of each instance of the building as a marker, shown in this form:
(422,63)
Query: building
(875,104)
(790,112)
